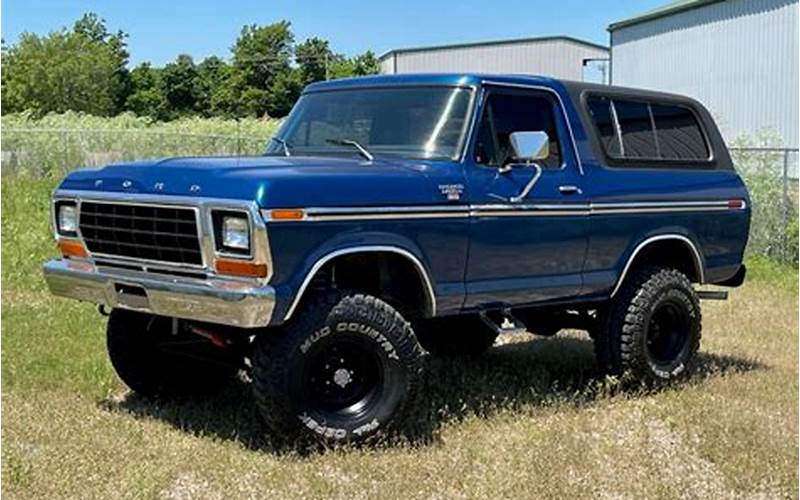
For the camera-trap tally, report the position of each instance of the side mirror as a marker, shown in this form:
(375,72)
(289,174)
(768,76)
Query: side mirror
(530,146)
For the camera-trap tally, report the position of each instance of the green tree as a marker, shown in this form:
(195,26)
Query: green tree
(212,73)
(84,69)
(260,55)
(146,97)
(283,93)
(59,72)
(313,58)
(94,28)
(180,84)
(261,52)
(360,65)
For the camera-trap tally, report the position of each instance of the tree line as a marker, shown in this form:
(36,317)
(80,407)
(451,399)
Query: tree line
(86,69)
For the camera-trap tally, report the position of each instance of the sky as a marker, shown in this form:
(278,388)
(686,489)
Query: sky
(161,29)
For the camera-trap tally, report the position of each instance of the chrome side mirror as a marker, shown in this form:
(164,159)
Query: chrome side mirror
(530,146)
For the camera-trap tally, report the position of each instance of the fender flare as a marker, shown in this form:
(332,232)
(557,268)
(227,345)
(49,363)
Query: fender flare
(698,260)
(430,296)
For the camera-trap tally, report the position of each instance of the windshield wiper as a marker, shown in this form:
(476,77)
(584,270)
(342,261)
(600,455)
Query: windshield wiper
(284,144)
(346,142)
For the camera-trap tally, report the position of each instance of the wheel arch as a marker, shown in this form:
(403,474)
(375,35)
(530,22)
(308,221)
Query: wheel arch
(651,245)
(331,257)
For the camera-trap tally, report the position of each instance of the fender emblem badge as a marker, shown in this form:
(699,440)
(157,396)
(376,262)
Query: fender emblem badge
(98,183)
(451,191)
(126,183)
(158,186)
(194,188)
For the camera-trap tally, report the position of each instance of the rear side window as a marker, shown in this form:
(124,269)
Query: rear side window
(655,132)
(636,128)
(600,109)
(679,135)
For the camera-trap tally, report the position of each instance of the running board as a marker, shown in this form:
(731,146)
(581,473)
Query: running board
(712,295)
(509,323)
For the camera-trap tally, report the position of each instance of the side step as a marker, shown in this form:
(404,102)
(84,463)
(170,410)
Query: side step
(712,295)
(507,324)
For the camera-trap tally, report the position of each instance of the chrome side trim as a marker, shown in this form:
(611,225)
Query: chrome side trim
(698,262)
(368,213)
(561,106)
(430,295)
(322,214)
(528,210)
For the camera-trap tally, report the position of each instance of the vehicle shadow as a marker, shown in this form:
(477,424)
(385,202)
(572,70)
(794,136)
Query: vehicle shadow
(512,376)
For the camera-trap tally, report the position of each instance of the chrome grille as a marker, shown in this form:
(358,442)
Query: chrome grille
(156,233)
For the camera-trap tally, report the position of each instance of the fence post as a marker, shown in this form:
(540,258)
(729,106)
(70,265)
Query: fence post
(785,207)
(238,137)
(65,164)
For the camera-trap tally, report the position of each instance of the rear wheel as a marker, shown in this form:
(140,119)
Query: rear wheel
(466,335)
(348,368)
(652,328)
(153,361)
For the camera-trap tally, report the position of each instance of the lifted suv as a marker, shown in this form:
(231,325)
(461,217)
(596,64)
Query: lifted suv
(395,215)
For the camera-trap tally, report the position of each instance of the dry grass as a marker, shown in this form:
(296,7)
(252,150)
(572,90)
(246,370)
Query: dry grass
(529,419)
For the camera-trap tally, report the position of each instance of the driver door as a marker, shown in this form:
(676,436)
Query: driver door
(532,250)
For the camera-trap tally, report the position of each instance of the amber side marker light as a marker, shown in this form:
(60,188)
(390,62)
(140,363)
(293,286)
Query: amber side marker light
(241,268)
(72,248)
(287,214)
(735,204)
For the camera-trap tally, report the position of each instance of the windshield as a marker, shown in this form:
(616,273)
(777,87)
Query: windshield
(409,122)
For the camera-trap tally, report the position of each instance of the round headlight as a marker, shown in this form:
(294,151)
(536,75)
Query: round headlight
(67,219)
(235,233)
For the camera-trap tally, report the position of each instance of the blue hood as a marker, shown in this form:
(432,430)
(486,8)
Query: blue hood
(270,181)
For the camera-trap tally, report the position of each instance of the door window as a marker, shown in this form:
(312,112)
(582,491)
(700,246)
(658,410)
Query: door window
(505,113)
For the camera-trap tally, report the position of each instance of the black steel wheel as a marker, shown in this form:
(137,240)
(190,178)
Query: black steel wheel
(652,329)
(342,376)
(348,368)
(668,332)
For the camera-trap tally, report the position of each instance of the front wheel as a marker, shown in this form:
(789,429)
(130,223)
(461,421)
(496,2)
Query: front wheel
(347,369)
(652,329)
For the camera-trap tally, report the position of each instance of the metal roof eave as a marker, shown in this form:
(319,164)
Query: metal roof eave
(663,11)
(507,41)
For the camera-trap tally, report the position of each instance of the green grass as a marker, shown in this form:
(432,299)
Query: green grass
(529,419)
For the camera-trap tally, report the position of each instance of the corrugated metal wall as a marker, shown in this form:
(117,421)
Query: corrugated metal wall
(557,58)
(738,57)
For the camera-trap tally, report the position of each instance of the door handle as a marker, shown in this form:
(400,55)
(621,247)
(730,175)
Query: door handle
(569,189)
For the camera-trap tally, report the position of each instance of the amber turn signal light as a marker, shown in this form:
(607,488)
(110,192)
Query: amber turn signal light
(241,268)
(72,248)
(287,214)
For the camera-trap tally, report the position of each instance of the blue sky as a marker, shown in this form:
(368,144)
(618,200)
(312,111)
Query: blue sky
(161,29)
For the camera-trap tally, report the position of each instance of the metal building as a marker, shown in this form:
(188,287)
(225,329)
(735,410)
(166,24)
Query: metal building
(738,57)
(558,56)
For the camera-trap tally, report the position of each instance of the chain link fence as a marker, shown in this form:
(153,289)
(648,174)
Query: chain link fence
(42,152)
(771,174)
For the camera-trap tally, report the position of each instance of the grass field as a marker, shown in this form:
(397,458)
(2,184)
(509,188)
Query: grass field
(529,419)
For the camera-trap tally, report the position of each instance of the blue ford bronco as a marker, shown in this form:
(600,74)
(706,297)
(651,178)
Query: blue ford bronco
(392,216)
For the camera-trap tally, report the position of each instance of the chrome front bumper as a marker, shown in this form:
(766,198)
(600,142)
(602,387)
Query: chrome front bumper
(213,300)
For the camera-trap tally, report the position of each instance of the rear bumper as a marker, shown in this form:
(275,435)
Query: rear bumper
(213,300)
